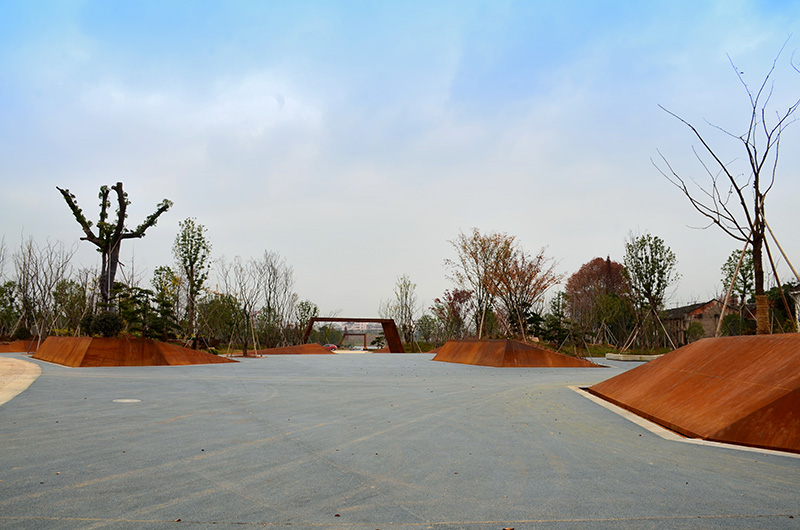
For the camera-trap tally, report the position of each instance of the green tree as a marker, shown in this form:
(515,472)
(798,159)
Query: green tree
(695,332)
(165,284)
(429,330)
(9,309)
(69,298)
(133,304)
(192,251)
(734,324)
(304,312)
(650,264)
(745,280)
(221,317)
(555,327)
(651,269)
(110,235)
(781,316)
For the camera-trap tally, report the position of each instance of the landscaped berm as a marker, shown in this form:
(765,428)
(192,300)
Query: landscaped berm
(741,390)
(121,351)
(506,353)
(302,349)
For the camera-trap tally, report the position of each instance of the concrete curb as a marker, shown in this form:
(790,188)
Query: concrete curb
(631,357)
(667,434)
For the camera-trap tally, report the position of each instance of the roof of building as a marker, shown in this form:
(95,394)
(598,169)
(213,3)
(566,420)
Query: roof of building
(682,312)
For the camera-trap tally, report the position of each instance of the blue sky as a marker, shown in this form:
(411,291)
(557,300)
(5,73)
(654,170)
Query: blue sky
(357,138)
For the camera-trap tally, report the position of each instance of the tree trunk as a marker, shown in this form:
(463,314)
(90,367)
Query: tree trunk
(762,305)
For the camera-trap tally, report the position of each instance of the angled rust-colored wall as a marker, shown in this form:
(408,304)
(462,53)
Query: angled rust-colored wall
(19,346)
(743,390)
(303,349)
(506,353)
(122,351)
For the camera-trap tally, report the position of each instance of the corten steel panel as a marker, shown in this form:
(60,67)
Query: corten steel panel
(743,390)
(393,341)
(124,351)
(68,351)
(303,349)
(389,330)
(506,353)
(19,346)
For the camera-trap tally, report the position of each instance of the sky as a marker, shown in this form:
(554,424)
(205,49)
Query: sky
(357,138)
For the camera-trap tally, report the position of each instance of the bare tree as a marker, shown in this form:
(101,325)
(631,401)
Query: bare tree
(402,308)
(278,300)
(39,269)
(110,235)
(3,257)
(478,258)
(522,280)
(241,282)
(453,312)
(733,194)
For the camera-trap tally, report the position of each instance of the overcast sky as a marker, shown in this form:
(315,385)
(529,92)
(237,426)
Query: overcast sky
(357,138)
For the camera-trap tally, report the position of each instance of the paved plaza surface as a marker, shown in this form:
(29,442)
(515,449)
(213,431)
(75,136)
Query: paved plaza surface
(375,441)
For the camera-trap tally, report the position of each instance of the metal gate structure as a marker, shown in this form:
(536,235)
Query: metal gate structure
(389,330)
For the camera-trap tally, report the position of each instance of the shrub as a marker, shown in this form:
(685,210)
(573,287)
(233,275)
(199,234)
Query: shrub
(695,332)
(22,333)
(86,324)
(107,324)
(734,324)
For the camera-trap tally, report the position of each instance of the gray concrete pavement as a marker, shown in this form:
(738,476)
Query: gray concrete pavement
(362,442)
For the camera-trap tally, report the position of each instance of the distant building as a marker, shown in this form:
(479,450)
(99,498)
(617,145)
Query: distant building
(359,327)
(678,320)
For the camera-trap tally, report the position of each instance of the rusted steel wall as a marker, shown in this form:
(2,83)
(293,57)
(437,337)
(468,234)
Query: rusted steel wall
(19,346)
(389,330)
(68,351)
(303,349)
(743,390)
(393,341)
(124,351)
(506,353)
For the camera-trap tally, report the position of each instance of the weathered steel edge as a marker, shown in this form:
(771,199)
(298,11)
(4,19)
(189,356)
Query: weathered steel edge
(667,434)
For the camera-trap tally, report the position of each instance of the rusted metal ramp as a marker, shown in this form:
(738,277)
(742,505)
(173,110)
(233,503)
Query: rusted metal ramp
(740,390)
(506,353)
(303,349)
(121,351)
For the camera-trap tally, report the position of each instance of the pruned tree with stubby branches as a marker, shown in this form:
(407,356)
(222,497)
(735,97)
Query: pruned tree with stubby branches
(110,234)
(731,194)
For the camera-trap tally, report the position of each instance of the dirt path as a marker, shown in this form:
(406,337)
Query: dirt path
(15,376)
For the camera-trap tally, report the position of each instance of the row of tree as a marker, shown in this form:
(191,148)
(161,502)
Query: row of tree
(499,291)
(254,304)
